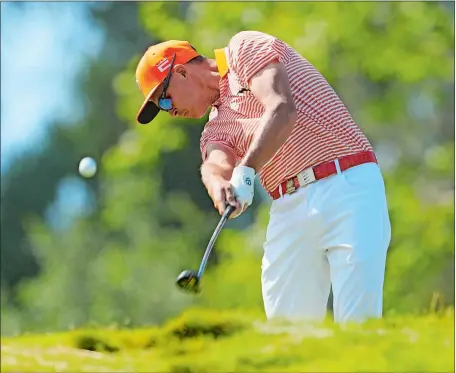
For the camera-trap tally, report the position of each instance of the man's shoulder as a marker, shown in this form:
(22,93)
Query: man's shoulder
(247,35)
(243,47)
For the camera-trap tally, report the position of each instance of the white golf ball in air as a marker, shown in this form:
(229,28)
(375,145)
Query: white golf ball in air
(87,167)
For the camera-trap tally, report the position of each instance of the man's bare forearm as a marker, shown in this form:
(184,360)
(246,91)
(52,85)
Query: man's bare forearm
(210,170)
(274,129)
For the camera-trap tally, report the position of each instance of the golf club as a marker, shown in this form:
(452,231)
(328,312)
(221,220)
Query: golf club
(189,280)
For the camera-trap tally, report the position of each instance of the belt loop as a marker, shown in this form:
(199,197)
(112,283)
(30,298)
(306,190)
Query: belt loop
(336,162)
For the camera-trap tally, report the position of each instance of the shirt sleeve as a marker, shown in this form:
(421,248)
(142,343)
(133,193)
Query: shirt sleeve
(250,51)
(216,133)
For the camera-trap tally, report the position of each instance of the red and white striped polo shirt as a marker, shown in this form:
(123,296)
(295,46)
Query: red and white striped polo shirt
(324,129)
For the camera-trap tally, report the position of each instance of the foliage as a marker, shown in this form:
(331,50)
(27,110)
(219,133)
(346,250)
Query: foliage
(395,344)
(32,185)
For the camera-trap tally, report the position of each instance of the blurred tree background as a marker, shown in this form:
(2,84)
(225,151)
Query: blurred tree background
(149,216)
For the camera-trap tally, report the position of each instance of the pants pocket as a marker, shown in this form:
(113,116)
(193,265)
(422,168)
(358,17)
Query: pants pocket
(365,175)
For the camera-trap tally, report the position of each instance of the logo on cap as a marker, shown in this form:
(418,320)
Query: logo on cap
(163,65)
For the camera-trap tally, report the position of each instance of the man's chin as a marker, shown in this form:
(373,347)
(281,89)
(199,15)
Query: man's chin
(199,115)
(194,116)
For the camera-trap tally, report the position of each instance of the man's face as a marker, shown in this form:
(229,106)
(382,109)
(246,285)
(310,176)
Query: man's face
(189,98)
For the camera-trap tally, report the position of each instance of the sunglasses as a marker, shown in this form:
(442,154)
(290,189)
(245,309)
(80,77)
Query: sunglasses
(165,103)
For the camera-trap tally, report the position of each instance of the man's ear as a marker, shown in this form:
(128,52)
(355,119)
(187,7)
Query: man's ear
(181,69)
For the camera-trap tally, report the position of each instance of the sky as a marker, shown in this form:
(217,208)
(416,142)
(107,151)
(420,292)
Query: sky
(44,45)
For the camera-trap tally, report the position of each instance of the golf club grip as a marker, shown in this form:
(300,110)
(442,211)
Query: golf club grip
(228,211)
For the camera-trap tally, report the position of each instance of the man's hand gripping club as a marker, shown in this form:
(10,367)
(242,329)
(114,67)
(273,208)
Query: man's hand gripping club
(226,183)
(242,185)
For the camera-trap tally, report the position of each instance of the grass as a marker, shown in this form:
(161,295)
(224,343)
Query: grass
(203,341)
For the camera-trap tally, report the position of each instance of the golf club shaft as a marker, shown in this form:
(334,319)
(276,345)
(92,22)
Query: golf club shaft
(228,211)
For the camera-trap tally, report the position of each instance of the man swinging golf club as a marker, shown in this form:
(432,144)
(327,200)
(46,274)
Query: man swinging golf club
(274,115)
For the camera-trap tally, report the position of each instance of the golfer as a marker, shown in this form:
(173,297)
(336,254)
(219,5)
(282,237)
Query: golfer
(274,115)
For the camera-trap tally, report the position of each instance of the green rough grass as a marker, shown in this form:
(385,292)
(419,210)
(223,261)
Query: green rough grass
(203,341)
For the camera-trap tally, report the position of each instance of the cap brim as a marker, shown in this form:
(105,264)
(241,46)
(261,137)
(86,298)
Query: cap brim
(148,110)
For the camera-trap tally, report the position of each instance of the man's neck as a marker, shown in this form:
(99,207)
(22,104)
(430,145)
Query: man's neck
(213,81)
(210,78)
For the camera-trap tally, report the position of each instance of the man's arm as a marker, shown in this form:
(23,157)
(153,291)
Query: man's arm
(219,162)
(271,87)
(216,172)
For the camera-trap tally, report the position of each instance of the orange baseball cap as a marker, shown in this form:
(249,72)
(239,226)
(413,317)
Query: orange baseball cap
(154,67)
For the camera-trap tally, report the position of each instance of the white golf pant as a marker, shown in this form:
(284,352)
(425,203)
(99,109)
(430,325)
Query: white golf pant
(335,231)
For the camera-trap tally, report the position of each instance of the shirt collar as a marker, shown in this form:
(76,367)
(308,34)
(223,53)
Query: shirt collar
(223,68)
(222,63)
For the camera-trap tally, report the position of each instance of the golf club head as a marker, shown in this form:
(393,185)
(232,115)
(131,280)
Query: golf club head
(188,281)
